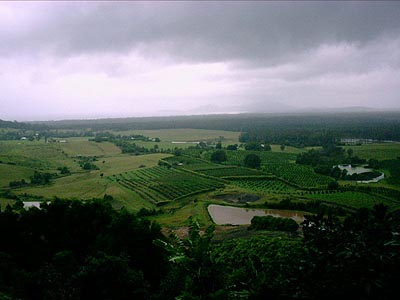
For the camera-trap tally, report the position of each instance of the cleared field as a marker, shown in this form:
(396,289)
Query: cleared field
(37,155)
(160,184)
(354,199)
(85,185)
(187,135)
(12,173)
(380,151)
(125,162)
(82,147)
(264,185)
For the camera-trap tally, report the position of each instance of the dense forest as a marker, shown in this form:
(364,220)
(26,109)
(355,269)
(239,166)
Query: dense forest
(88,250)
(290,129)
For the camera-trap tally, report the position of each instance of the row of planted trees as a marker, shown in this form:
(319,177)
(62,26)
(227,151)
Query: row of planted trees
(76,250)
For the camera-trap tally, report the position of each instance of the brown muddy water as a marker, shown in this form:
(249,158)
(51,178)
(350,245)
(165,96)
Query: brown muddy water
(222,215)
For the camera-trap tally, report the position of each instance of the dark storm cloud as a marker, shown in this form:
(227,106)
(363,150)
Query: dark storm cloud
(208,31)
(145,58)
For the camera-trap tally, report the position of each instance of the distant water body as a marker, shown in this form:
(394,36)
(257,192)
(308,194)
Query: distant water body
(222,215)
(358,170)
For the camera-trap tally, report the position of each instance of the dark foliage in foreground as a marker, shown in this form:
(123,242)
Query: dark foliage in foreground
(75,250)
(273,223)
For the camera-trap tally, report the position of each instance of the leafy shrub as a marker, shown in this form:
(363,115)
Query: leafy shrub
(272,223)
(219,156)
(252,161)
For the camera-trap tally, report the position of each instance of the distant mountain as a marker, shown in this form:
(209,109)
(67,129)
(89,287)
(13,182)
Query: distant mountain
(261,106)
(347,109)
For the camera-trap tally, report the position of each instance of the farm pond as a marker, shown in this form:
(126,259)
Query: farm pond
(222,215)
(359,170)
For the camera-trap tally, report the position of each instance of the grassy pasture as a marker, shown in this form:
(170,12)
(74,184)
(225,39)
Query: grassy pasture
(13,173)
(83,147)
(379,151)
(37,155)
(85,185)
(125,162)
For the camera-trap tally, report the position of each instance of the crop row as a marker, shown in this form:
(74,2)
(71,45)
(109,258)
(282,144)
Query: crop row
(264,185)
(230,171)
(301,175)
(354,199)
(159,183)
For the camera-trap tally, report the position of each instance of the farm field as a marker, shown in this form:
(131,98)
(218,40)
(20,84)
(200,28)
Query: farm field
(160,184)
(85,185)
(270,185)
(125,162)
(355,199)
(237,157)
(82,147)
(38,155)
(138,181)
(379,151)
(303,176)
(230,171)
(12,173)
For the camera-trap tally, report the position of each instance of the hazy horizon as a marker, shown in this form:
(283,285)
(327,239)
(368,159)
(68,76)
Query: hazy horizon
(90,60)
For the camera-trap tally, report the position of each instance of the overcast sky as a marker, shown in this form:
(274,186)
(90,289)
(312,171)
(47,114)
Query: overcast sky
(106,59)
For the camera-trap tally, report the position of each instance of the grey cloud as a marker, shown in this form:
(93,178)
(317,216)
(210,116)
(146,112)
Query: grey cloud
(70,57)
(208,31)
